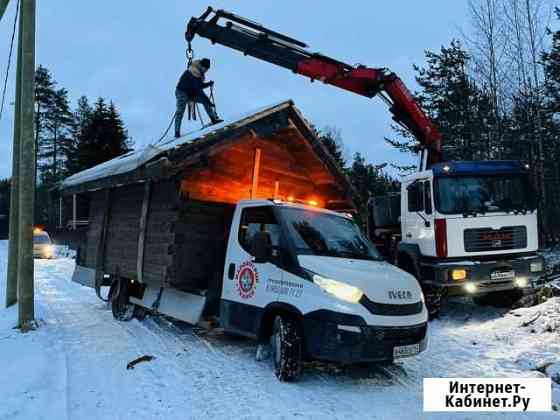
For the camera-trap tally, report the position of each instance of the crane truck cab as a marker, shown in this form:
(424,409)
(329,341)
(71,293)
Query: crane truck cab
(465,228)
(309,282)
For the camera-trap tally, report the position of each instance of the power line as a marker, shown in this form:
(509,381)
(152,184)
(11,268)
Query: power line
(9,61)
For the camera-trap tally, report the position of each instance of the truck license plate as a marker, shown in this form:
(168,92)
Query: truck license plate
(502,275)
(404,351)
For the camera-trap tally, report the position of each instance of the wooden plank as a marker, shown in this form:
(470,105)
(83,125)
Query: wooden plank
(101,245)
(142,233)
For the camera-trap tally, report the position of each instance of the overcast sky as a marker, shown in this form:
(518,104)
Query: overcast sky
(133,52)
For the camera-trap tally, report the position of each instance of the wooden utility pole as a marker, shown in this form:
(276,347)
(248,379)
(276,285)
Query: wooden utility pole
(11,280)
(26,184)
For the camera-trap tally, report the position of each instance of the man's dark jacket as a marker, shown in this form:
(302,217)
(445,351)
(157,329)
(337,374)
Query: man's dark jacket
(191,85)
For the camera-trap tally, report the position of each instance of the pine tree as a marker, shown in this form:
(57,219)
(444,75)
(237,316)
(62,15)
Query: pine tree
(4,207)
(103,137)
(5,196)
(58,122)
(332,140)
(457,106)
(368,180)
(44,98)
(81,118)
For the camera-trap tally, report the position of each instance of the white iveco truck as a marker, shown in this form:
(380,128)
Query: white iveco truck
(331,295)
(463,228)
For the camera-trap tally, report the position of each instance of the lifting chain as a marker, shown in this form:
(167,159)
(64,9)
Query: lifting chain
(190,55)
(191,111)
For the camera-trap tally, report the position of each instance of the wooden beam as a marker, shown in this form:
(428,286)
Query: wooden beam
(101,245)
(142,233)
(256,169)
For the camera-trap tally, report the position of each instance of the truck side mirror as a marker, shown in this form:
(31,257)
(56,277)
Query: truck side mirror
(261,247)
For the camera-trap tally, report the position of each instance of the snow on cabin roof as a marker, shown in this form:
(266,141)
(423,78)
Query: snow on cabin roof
(135,159)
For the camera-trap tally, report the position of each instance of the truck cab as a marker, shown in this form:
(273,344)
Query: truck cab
(469,228)
(317,266)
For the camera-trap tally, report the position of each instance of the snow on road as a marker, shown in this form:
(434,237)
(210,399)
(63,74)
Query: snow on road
(74,365)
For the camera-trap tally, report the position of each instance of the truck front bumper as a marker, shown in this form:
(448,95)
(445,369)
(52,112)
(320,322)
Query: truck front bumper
(333,342)
(487,276)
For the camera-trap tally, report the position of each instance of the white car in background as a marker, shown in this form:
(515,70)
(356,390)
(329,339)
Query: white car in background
(42,245)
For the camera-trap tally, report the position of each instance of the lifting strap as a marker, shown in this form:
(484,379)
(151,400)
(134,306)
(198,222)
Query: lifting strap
(191,110)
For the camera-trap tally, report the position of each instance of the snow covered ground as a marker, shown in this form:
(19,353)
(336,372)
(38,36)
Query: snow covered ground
(74,365)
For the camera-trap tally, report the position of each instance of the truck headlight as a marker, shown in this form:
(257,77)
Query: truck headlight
(48,251)
(521,282)
(536,266)
(338,289)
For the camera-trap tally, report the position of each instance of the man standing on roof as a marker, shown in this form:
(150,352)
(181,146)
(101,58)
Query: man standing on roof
(191,89)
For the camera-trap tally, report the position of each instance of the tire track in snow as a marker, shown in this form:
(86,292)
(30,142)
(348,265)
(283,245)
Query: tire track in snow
(83,327)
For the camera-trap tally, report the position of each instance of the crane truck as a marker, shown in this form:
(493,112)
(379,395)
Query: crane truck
(461,228)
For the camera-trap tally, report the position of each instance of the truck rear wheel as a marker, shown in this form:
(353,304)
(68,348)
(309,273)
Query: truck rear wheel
(504,299)
(121,307)
(286,343)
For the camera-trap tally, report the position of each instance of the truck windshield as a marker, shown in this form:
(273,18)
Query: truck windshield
(483,194)
(316,233)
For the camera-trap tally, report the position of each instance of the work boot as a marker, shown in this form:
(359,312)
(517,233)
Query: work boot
(214,115)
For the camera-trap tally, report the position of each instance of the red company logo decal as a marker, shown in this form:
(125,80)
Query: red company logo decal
(247,278)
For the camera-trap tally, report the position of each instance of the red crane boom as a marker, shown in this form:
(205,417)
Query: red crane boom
(257,41)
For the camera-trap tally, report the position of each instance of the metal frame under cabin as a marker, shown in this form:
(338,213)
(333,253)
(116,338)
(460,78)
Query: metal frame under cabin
(169,231)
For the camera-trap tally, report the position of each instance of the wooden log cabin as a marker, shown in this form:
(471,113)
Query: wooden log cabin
(161,215)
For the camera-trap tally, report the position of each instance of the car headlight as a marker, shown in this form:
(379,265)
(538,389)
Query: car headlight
(338,289)
(536,266)
(48,251)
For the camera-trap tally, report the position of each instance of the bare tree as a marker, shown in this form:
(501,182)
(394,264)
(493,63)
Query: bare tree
(506,40)
(487,43)
(527,22)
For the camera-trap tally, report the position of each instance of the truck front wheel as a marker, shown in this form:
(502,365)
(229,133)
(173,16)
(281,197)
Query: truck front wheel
(121,307)
(286,343)
(433,296)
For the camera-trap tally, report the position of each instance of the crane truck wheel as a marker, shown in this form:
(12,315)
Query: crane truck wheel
(121,307)
(432,294)
(433,297)
(286,343)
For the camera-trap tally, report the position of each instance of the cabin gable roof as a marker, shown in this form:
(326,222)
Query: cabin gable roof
(282,123)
